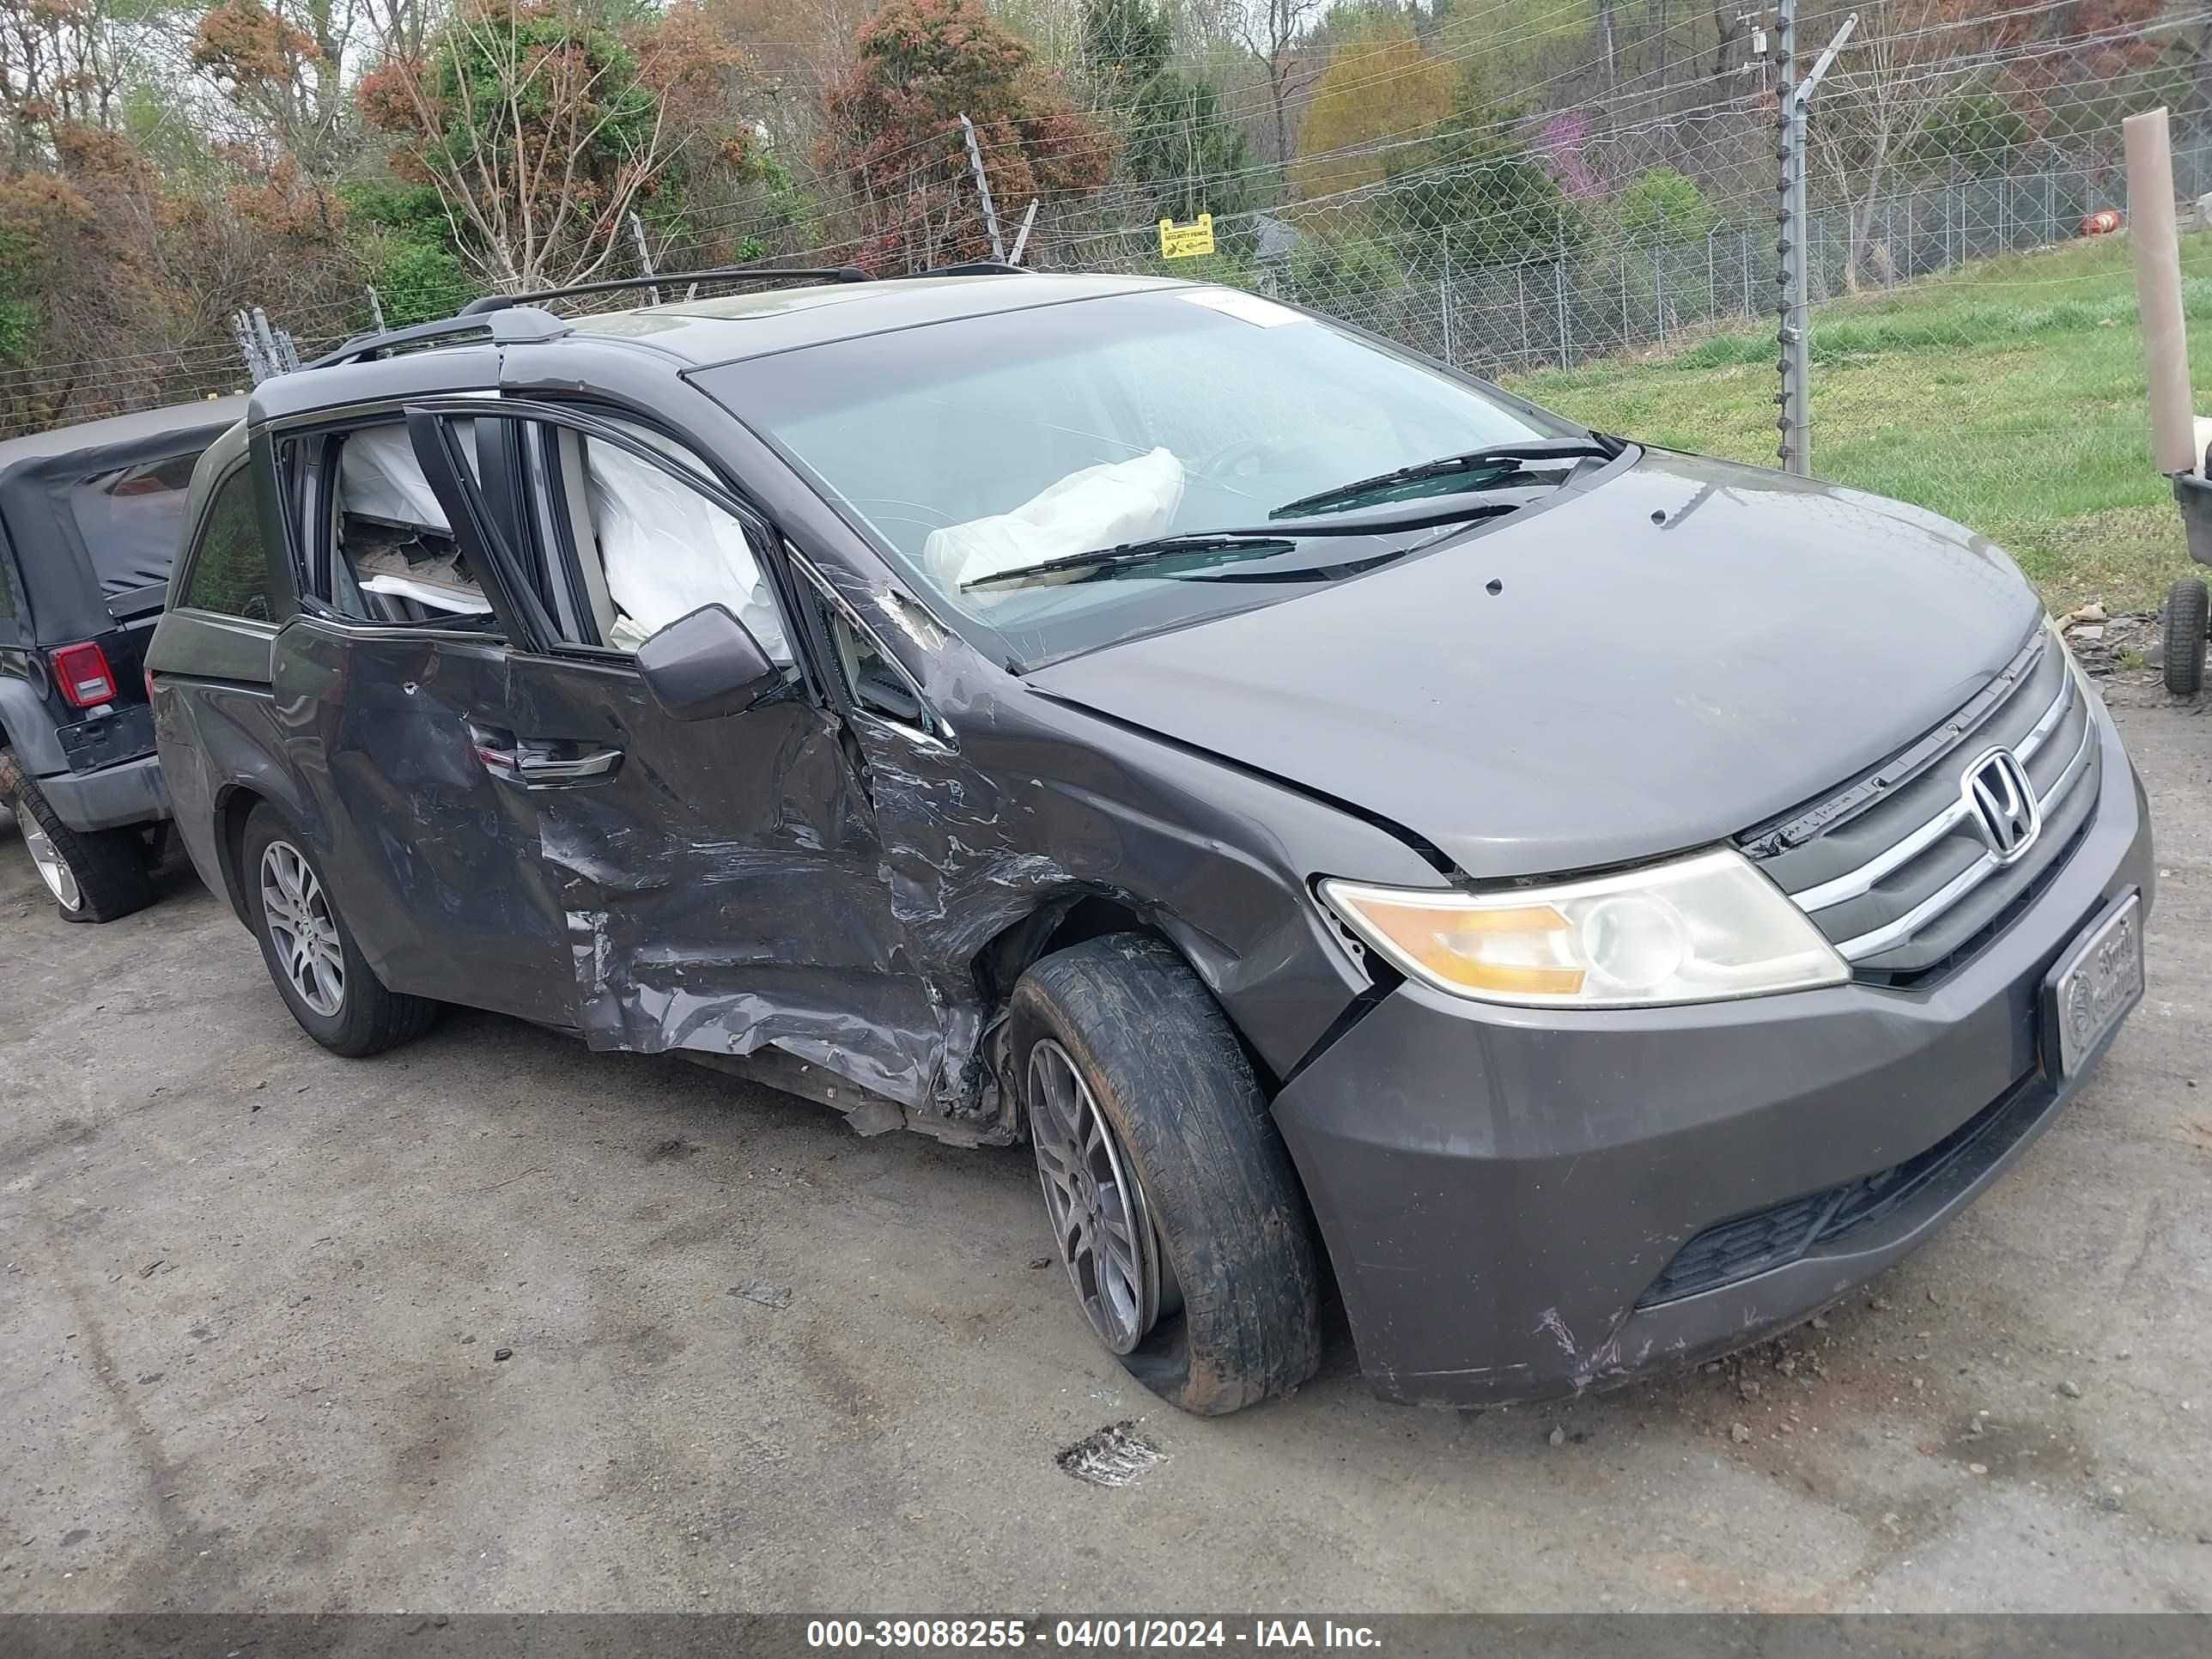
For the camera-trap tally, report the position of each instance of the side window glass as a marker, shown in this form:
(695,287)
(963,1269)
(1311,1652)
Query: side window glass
(647,547)
(230,572)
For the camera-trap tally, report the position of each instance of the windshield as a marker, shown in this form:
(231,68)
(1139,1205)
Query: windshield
(131,520)
(974,448)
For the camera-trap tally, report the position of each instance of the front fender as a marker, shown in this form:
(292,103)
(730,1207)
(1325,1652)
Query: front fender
(1040,802)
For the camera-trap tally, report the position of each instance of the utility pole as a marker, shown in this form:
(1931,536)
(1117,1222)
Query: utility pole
(249,350)
(983,189)
(1789,247)
(644,254)
(1793,246)
(275,345)
(2158,291)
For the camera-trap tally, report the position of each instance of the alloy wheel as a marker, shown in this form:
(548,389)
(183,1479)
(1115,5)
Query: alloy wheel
(306,934)
(53,867)
(1099,1216)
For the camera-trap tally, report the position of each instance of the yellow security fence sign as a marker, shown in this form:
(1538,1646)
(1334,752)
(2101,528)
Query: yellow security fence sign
(1184,241)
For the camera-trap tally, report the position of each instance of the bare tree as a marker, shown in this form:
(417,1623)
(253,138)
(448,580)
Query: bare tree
(1271,31)
(61,65)
(283,64)
(540,130)
(1868,120)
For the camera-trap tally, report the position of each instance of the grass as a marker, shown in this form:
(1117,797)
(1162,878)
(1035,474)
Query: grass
(2010,396)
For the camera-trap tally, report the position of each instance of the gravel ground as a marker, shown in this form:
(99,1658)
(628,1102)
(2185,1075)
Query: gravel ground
(495,1323)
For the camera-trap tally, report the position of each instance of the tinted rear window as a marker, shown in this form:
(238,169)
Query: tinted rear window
(131,520)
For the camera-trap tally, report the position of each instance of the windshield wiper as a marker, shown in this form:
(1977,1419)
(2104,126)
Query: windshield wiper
(1236,543)
(1503,460)
(1259,541)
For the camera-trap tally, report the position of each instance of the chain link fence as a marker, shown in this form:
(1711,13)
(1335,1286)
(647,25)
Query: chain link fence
(1604,289)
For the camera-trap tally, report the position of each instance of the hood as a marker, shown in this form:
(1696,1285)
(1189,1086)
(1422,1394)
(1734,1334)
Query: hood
(1669,658)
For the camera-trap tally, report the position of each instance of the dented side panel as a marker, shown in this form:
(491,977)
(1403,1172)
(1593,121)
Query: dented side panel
(725,890)
(432,865)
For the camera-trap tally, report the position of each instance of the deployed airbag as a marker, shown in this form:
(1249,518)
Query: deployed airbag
(379,479)
(1100,507)
(667,550)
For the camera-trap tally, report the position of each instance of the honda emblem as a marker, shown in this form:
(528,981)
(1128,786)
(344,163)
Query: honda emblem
(2002,800)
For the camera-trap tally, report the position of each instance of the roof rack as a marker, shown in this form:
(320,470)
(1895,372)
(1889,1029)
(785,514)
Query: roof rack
(515,326)
(492,302)
(978,268)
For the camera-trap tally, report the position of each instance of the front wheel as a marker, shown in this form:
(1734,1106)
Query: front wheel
(310,952)
(1172,1199)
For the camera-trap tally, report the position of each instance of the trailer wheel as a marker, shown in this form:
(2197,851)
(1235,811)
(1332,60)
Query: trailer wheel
(2186,604)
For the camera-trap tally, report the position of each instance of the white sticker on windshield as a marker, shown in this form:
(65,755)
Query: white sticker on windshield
(1245,308)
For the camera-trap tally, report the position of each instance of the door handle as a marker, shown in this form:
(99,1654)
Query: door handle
(541,762)
(545,766)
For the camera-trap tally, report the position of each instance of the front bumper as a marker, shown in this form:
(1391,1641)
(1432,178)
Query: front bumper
(130,793)
(1501,1189)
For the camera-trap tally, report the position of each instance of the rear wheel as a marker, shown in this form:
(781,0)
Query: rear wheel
(1171,1198)
(2185,607)
(311,955)
(95,875)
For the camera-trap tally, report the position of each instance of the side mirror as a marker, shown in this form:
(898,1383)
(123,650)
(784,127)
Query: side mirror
(707,663)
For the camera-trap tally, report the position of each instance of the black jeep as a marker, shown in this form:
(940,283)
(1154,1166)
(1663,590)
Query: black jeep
(90,519)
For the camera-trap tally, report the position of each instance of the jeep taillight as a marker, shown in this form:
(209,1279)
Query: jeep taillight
(83,675)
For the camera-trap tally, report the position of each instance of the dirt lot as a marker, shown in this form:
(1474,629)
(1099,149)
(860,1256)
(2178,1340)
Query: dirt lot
(254,1299)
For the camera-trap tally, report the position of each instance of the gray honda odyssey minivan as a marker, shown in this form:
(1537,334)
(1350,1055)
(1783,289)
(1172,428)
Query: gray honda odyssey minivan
(1585,906)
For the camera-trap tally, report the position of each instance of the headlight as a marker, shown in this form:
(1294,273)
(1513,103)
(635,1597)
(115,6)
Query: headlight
(1696,929)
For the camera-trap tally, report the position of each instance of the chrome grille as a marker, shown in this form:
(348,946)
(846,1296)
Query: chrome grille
(1895,869)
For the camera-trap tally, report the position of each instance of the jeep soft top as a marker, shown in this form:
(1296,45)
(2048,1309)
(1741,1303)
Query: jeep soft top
(91,517)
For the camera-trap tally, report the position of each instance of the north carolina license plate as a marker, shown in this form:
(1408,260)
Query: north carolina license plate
(2091,990)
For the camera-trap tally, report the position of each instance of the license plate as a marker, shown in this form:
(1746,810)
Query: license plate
(2091,990)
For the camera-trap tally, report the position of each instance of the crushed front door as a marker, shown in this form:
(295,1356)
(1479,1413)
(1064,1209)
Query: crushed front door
(722,881)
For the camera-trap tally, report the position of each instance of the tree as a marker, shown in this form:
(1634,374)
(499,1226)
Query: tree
(1379,83)
(1271,31)
(1126,44)
(1471,194)
(1912,64)
(541,130)
(1178,147)
(61,65)
(1663,205)
(894,137)
(285,71)
(1977,133)
(1190,157)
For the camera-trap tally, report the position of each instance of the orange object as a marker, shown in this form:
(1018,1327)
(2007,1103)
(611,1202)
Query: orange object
(2103,222)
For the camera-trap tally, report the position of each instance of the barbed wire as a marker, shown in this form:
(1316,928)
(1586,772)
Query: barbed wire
(1409,249)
